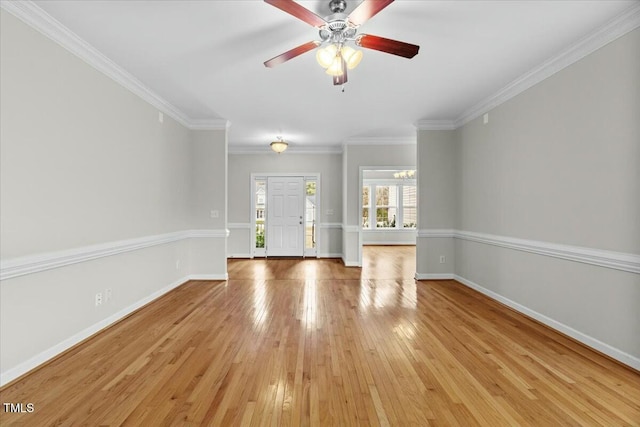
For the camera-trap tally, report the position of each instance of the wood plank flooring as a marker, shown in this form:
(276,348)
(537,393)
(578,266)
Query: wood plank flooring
(310,342)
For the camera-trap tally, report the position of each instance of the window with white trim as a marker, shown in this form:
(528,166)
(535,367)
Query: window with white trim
(388,204)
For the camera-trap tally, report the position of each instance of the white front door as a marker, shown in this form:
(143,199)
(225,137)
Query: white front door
(285,222)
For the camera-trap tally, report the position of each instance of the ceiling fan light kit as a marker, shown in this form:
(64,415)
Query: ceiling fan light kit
(335,30)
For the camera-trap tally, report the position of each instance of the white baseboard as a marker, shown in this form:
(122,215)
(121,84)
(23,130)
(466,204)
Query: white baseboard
(587,340)
(330,255)
(39,359)
(350,263)
(224,276)
(389,243)
(432,276)
(239,256)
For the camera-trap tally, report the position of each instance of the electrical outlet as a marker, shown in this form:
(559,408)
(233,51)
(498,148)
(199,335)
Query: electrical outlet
(178,264)
(107,295)
(98,299)
(215,214)
(442,259)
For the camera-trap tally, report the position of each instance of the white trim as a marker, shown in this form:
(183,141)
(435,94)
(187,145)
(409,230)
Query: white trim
(240,256)
(388,230)
(613,352)
(628,21)
(433,276)
(380,140)
(239,225)
(292,149)
(601,258)
(349,263)
(30,264)
(31,14)
(39,359)
(350,228)
(330,255)
(208,124)
(34,16)
(435,125)
(443,232)
(388,243)
(224,276)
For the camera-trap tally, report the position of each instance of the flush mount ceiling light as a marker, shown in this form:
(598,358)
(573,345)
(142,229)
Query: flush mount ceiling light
(279,145)
(335,31)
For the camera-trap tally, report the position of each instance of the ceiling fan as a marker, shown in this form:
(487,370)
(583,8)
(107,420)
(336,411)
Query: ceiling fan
(335,31)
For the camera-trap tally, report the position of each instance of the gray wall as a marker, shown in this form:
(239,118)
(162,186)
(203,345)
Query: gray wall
(438,175)
(241,166)
(207,256)
(558,164)
(87,168)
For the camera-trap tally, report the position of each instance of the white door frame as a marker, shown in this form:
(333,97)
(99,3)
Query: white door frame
(361,183)
(308,176)
(284,216)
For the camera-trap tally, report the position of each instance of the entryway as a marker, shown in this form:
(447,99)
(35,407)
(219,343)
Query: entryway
(285,199)
(284,215)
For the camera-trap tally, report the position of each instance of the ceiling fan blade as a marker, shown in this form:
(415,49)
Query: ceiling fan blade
(366,10)
(300,12)
(277,60)
(393,47)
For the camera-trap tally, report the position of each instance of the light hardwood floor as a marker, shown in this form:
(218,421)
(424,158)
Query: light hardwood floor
(310,342)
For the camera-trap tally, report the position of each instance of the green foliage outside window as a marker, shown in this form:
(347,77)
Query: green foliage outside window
(260,237)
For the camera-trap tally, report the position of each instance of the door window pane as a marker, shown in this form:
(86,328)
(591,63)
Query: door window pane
(310,215)
(261,194)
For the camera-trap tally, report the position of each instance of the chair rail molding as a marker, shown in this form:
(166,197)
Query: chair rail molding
(599,257)
(30,264)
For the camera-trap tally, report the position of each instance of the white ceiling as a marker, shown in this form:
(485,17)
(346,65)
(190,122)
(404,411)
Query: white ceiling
(206,59)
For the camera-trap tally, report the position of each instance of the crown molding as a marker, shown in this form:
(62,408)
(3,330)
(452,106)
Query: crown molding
(380,140)
(32,15)
(624,23)
(209,124)
(292,149)
(435,125)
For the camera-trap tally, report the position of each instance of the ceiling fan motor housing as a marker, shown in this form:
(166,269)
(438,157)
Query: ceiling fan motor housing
(337,31)
(337,6)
